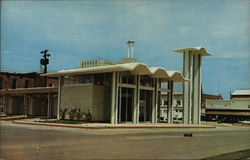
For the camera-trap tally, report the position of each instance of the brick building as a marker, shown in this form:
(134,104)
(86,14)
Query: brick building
(27,94)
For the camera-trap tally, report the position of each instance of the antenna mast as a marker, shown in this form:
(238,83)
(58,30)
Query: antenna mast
(130,48)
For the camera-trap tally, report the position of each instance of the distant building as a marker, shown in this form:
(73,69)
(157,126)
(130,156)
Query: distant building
(95,63)
(241,93)
(231,110)
(204,98)
(25,80)
(27,94)
(178,104)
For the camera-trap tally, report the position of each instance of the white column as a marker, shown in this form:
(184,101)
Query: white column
(138,98)
(187,73)
(196,90)
(61,79)
(185,89)
(153,107)
(191,98)
(170,102)
(113,99)
(119,94)
(135,101)
(188,87)
(156,99)
(200,93)
(116,100)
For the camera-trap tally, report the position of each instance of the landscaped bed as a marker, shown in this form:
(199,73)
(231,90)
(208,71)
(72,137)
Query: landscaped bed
(62,121)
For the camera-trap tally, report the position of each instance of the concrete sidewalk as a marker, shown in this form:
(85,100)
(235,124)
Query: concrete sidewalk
(39,122)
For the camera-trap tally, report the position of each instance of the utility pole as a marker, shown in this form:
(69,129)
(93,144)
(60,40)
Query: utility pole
(0,61)
(45,61)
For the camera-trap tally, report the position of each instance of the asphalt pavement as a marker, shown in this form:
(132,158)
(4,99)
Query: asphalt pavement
(19,142)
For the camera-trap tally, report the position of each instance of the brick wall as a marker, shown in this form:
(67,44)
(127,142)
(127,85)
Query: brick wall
(33,79)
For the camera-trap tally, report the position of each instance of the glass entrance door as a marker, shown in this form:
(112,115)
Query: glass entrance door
(145,108)
(125,105)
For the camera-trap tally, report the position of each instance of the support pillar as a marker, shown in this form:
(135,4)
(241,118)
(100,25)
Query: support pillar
(25,106)
(137,99)
(135,104)
(155,102)
(117,90)
(156,99)
(5,103)
(196,89)
(187,91)
(49,105)
(61,81)
(153,108)
(192,59)
(170,102)
(114,99)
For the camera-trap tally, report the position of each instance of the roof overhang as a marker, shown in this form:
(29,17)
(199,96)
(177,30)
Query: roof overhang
(134,68)
(194,50)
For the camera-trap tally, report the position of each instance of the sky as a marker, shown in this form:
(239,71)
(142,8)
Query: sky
(78,30)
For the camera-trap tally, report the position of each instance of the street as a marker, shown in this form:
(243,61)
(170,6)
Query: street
(19,142)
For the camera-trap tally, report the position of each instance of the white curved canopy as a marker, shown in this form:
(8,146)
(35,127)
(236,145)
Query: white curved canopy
(158,72)
(134,68)
(195,50)
(176,76)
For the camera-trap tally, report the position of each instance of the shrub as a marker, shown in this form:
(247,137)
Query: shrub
(88,116)
(79,114)
(63,113)
(72,114)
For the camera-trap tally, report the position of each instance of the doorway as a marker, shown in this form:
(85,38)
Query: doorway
(125,104)
(145,109)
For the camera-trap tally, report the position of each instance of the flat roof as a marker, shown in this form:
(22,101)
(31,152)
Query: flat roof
(29,90)
(134,68)
(195,50)
(241,92)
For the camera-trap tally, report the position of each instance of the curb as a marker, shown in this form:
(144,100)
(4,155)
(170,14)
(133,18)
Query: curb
(6,120)
(242,125)
(114,127)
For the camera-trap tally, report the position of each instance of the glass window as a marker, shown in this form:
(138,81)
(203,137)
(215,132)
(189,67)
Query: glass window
(127,78)
(26,84)
(146,81)
(163,85)
(178,102)
(1,109)
(165,103)
(14,83)
(1,83)
(82,79)
(98,79)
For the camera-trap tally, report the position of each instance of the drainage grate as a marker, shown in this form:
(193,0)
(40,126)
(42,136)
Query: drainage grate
(188,135)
